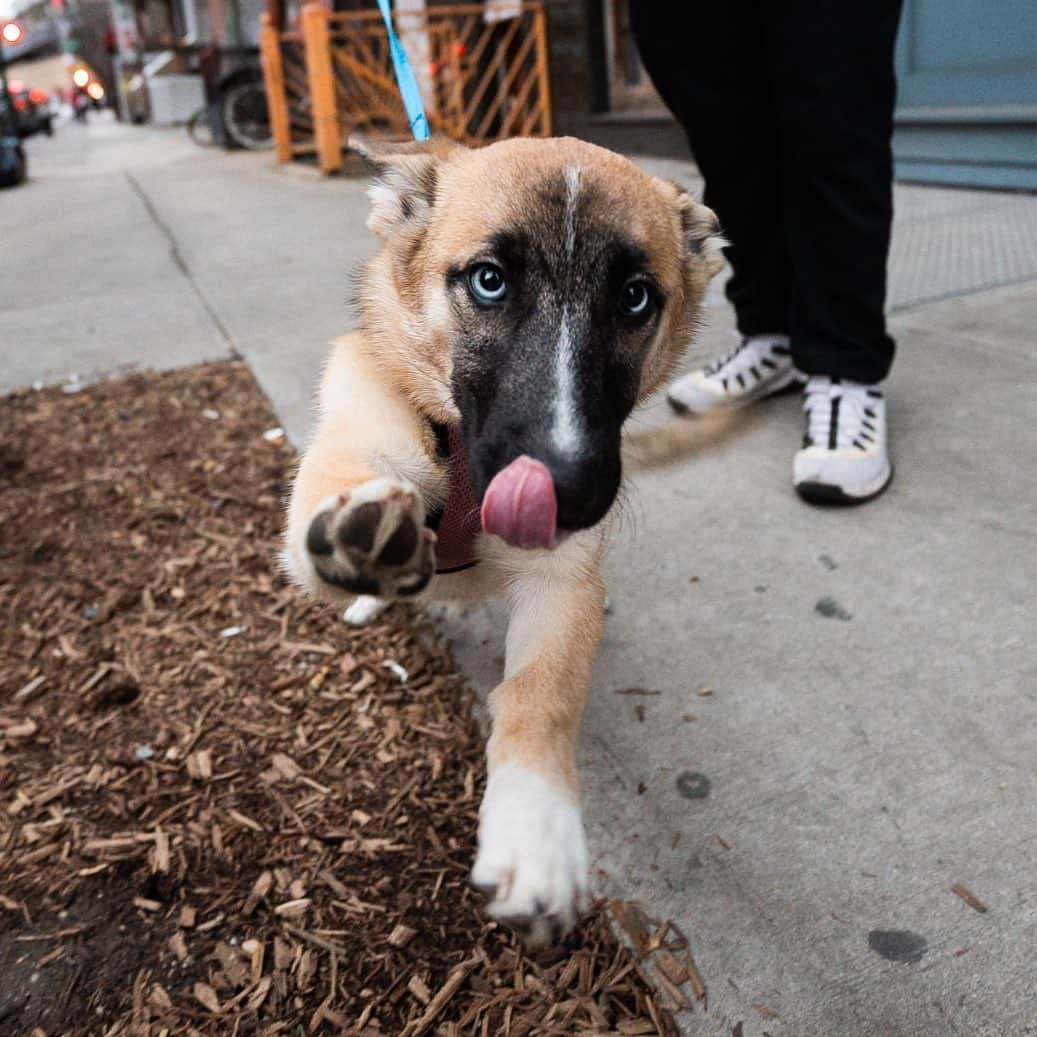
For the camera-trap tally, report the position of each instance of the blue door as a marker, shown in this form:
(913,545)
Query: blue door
(967,101)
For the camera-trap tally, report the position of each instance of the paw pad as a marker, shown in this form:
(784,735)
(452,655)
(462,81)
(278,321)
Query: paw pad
(373,541)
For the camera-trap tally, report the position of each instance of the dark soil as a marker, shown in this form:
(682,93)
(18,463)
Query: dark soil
(222,811)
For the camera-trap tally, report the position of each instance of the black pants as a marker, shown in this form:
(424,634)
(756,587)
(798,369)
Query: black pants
(788,107)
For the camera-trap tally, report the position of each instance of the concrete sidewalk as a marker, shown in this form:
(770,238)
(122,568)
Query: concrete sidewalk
(871,736)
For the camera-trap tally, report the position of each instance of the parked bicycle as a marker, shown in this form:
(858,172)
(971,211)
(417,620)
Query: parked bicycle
(243,116)
(236,114)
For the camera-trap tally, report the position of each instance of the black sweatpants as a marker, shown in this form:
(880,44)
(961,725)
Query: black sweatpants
(788,107)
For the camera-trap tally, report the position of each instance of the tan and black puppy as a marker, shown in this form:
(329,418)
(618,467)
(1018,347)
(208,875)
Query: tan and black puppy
(526,296)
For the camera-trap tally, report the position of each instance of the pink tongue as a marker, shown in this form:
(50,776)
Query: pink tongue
(520,506)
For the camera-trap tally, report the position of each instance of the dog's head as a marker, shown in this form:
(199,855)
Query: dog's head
(536,290)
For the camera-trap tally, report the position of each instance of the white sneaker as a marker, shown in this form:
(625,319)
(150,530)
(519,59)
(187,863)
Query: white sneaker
(760,366)
(844,459)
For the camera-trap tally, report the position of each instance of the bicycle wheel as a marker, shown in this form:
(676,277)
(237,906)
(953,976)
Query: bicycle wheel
(199,128)
(246,117)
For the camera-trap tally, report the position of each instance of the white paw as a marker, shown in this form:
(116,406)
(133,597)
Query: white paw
(532,860)
(364,610)
(373,540)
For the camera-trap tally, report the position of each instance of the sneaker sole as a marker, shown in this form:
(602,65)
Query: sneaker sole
(789,387)
(834,496)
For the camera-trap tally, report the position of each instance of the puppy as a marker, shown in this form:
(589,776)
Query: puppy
(525,297)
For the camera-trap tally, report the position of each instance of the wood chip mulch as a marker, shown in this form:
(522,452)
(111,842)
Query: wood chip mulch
(222,811)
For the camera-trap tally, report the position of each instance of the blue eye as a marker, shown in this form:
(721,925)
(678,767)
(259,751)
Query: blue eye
(487,283)
(635,299)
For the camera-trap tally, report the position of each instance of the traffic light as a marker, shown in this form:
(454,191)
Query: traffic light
(11,32)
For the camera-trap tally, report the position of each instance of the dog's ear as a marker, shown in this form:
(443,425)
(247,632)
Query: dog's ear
(406,177)
(700,229)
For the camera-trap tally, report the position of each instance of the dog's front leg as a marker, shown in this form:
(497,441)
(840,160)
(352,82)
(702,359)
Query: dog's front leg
(532,859)
(356,525)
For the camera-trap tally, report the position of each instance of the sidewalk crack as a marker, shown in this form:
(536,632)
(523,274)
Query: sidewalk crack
(181,263)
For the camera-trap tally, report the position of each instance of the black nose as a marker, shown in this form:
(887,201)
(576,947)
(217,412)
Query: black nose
(585,486)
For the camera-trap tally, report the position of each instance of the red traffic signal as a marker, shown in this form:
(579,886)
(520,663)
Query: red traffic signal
(11,32)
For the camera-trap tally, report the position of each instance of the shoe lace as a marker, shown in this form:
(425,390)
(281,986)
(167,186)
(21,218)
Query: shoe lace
(840,415)
(745,357)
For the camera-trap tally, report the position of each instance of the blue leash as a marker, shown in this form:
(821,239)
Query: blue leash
(405,78)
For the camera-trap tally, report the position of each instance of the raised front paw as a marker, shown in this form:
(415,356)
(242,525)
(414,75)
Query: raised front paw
(373,540)
(532,861)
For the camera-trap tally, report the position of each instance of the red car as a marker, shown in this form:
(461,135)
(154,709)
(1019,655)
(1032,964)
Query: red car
(31,106)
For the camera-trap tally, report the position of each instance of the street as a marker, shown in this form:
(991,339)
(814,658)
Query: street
(846,719)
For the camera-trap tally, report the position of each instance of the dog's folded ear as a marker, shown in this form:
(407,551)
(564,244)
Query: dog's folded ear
(406,176)
(700,228)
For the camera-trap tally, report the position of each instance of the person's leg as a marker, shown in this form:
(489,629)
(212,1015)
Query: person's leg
(707,62)
(834,88)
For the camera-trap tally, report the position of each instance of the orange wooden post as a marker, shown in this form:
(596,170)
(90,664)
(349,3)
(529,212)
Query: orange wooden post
(453,117)
(540,28)
(321,78)
(273,78)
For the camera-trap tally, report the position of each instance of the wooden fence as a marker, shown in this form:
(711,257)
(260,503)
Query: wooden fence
(331,75)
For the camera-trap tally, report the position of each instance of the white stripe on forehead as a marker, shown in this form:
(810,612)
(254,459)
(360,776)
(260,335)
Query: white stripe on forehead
(565,428)
(572,195)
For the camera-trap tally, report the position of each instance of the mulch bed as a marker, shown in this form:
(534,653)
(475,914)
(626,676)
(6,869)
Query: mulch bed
(223,811)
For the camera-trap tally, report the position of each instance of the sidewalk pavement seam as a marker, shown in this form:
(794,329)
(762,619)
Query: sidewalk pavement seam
(920,304)
(999,202)
(181,263)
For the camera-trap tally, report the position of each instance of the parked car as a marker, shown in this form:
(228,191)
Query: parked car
(32,112)
(13,168)
(12,155)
